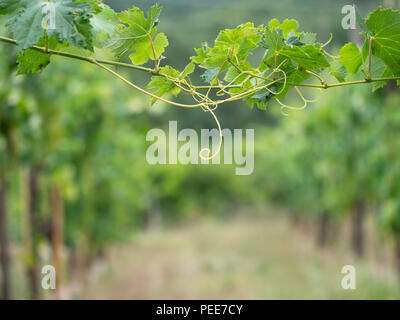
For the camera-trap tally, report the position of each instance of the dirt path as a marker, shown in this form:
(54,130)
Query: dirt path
(257,258)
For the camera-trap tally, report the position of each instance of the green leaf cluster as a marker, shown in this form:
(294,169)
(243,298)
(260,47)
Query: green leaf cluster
(138,33)
(382,47)
(290,58)
(55,24)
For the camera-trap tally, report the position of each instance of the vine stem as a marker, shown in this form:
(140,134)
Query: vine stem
(370,59)
(83,58)
(154,52)
(96,62)
(101,63)
(316,76)
(47,41)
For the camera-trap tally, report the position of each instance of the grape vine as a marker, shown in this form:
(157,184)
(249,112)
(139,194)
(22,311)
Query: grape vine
(291,59)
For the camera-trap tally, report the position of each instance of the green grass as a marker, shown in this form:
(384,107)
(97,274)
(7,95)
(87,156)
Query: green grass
(241,258)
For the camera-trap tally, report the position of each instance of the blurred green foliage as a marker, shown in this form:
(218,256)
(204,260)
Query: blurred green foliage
(341,151)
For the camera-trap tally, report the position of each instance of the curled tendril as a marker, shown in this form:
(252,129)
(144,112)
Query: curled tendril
(305,101)
(328,42)
(285,106)
(209,105)
(319,95)
(207,151)
(211,108)
(222,91)
(278,70)
(331,55)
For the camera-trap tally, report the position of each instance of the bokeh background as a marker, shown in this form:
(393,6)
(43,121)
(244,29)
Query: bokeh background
(76,191)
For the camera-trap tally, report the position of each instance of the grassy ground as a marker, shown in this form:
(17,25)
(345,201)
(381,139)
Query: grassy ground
(239,258)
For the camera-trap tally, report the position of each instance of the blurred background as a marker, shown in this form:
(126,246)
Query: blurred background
(77,193)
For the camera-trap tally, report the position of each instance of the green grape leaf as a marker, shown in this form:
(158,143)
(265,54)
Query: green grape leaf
(232,74)
(162,84)
(97,5)
(287,26)
(31,61)
(71,21)
(26,24)
(139,34)
(135,18)
(104,27)
(308,57)
(361,22)
(144,49)
(260,99)
(378,67)
(189,69)
(274,23)
(241,40)
(380,84)
(378,70)
(201,54)
(261,104)
(308,38)
(103,21)
(272,40)
(73,24)
(231,43)
(350,57)
(209,74)
(338,70)
(293,40)
(267,61)
(12,6)
(384,25)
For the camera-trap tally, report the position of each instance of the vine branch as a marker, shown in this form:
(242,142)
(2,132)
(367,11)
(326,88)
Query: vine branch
(102,64)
